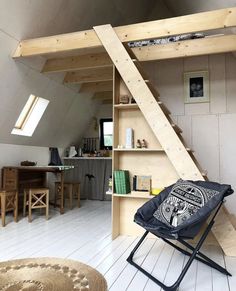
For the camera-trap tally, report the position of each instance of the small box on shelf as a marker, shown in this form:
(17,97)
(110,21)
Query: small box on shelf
(142,183)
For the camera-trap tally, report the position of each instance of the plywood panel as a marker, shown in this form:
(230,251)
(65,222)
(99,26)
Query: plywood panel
(196,64)
(231,83)
(227,137)
(169,77)
(155,164)
(128,208)
(217,83)
(185,122)
(206,143)
(135,119)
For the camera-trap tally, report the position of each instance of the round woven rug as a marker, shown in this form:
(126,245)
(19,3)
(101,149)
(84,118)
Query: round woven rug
(49,274)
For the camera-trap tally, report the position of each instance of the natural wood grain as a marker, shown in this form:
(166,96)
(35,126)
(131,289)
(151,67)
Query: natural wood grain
(153,29)
(88,75)
(163,130)
(93,87)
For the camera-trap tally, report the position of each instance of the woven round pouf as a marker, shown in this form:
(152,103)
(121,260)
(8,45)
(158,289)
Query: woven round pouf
(49,274)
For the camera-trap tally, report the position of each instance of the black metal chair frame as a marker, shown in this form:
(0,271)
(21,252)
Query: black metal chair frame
(196,254)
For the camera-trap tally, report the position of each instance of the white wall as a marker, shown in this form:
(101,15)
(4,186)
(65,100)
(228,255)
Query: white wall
(13,155)
(64,119)
(208,128)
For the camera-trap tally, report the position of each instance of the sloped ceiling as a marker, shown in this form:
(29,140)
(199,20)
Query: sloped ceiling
(69,113)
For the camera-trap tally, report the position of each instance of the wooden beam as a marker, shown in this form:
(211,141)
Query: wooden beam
(106,86)
(77,63)
(103,96)
(73,42)
(88,75)
(187,48)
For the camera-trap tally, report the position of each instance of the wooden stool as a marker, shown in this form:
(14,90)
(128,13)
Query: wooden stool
(70,188)
(9,202)
(36,198)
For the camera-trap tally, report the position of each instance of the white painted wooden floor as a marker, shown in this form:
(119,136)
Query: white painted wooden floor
(85,234)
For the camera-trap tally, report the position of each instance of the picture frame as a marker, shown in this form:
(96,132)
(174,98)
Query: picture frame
(196,87)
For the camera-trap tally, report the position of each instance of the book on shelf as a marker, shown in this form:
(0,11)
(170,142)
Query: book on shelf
(121,182)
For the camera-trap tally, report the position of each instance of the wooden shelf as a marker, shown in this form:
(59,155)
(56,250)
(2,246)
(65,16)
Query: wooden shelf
(133,196)
(135,106)
(138,150)
(87,158)
(143,150)
(126,106)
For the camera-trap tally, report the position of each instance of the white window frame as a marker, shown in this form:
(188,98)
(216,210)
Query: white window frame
(30,116)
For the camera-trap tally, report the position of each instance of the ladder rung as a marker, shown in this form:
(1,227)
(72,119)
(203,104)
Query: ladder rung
(164,108)
(176,128)
(189,150)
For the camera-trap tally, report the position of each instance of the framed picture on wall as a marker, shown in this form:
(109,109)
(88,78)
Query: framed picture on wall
(196,87)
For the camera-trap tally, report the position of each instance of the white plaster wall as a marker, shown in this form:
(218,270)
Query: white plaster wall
(208,128)
(68,112)
(12,155)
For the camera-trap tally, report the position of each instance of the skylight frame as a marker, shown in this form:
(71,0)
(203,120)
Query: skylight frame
(30,116)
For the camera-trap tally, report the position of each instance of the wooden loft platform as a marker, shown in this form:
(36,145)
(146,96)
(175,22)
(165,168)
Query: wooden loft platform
(83,59)
(85,42)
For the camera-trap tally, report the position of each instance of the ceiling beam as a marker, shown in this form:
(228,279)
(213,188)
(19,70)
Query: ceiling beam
(76,63)
(187,48)
(103,96)
(88,75)
(71,42)
(95,87)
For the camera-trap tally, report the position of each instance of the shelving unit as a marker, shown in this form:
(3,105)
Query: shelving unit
(139,161)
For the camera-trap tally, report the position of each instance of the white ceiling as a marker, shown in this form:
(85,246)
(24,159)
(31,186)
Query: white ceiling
(69,113)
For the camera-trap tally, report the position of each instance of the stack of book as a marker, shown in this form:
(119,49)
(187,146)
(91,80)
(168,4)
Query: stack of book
(121,182)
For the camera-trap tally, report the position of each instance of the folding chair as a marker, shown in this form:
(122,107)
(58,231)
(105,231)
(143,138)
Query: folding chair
(178,213)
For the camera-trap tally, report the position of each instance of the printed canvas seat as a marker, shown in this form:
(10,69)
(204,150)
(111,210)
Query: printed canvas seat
(178,213)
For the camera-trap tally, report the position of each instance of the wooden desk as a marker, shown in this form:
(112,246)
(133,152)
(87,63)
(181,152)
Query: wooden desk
(32,176)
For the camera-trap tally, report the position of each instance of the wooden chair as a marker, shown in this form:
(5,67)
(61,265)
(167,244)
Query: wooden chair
(72,189)
(36,198)
(9,202)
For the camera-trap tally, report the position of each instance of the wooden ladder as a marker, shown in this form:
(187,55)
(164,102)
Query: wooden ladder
(157,116)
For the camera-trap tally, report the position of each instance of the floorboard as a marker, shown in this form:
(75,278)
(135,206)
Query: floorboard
(85,235)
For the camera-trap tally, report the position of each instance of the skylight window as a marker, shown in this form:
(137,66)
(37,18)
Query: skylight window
(30,116)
